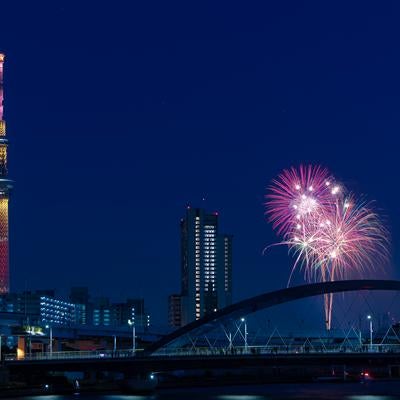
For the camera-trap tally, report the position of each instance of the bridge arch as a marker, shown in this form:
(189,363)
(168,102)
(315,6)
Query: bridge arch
(270,299)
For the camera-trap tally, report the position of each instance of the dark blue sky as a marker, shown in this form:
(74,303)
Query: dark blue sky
(120,113)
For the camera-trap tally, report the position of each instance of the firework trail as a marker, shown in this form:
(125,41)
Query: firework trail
(330,234)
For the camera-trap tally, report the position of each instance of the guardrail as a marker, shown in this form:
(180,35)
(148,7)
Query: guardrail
(279,349)
(70,355)
(209,351)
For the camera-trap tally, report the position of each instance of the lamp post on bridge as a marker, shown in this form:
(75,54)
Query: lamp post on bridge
(369,317)
(50,340)
(132,323)
(245,334)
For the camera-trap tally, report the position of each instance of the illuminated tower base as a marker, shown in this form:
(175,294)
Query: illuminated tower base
(4,264)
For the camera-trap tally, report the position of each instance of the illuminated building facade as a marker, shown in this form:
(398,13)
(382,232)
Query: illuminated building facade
(120,314)
(206,262)
(80,297)
(55,311)
(102,312)
(42,307)
(39,307)
(224,272)
(5,186)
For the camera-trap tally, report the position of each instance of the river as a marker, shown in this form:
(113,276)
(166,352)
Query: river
(378,390)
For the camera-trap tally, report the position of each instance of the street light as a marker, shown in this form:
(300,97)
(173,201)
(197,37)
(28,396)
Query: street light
(132,324)
(245,334)
(114,344)
(369,317)
(51,339)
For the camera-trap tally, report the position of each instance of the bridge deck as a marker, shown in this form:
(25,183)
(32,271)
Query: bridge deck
(172,363)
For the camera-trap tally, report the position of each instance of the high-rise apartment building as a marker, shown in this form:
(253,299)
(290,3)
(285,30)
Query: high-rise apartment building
(5,187)
(206,263)
(224,271)
(174,310)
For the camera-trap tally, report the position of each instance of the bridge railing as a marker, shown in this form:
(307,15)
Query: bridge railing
(207,351)
(280,349)
(73,355)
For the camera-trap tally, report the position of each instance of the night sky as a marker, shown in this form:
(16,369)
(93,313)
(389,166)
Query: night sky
(121,113)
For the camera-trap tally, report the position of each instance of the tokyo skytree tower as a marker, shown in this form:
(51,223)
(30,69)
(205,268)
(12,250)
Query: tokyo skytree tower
(5,187)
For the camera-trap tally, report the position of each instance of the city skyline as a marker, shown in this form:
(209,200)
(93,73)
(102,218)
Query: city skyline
(121,121)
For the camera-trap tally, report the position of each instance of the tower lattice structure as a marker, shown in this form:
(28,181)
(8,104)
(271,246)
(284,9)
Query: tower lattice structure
(5,187)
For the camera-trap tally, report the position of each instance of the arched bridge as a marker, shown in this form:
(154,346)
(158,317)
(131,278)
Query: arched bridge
(267,300)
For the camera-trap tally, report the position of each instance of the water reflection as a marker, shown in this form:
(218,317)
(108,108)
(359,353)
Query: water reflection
(332,391)
(122,397)
(240,397)
(371,397)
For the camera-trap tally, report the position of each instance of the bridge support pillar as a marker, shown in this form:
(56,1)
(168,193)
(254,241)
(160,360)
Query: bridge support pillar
(91,376)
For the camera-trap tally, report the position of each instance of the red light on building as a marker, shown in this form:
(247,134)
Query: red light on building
(5,186)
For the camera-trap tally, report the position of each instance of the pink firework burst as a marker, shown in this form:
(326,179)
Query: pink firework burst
(332,236)
(298,195)
(351,238)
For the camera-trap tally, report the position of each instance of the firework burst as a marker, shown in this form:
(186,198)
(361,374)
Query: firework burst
(332,236)
(298,195)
